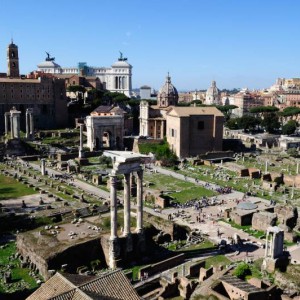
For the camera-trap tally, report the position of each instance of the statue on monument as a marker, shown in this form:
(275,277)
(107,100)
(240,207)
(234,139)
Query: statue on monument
(49,58)
(121,58)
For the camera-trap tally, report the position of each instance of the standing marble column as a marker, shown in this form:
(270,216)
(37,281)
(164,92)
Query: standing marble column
(113,241)
(81,154)
(126,204)
(139,221)
(31,125)
(6,116)
(113,207)
(27,118)
(11,126)
(43,166)
(266,167)
(267,244)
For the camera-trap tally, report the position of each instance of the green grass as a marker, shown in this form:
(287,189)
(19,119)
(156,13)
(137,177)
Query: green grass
(10,188)
(18,274)
(218,260)
(192,193)
(180,190)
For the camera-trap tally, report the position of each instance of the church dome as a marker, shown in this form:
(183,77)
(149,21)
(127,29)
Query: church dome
(212,94)
(168,88)
(213,90)
(168,94)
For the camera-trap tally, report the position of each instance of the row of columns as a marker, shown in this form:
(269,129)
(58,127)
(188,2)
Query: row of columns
(12,120)
(120,82)
(114,251)
(127,204)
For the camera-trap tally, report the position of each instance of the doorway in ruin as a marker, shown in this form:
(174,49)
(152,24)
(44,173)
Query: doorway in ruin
(107,140)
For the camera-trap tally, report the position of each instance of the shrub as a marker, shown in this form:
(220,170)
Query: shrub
(242,270)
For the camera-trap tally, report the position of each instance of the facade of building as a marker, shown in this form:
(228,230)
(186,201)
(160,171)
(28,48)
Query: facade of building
(117,78)
(44,96)
(194,130)
(189,130)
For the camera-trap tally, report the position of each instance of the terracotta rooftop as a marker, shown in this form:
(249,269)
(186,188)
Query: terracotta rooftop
(112,285)
(186,111)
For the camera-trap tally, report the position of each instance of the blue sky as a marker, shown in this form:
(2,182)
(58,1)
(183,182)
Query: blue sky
(238,43)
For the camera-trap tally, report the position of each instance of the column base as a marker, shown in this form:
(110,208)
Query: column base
(129,243)
(114,252)
(141,241)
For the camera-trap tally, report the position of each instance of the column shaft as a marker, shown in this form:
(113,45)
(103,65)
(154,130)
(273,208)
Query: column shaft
(113,206)
(31,126)
(126,204)
(27,125)
(11,126)
(6,122)
(139,196)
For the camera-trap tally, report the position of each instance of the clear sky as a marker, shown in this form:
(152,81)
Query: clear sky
(238,43)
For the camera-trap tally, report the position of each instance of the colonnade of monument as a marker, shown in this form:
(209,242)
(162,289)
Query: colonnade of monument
(129,165)
(12,123)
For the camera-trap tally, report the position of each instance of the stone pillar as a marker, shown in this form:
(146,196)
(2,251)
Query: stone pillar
(267,244)
(113,206)
(126,204)
(43,166)
(31,126)
(81,154)
(6,116)
(297,169)
(266,167)
(113,246)
(139,196)
(11,126)
(27,119)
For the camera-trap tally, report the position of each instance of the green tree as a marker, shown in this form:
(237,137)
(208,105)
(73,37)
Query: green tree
(271,122)
(76,88)
(248,122)
(233,123)
(289,127)
(242,270)
(226,110)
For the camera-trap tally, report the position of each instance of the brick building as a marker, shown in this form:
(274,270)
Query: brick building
(46,96)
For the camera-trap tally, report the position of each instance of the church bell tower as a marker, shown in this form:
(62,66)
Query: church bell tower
(12,60)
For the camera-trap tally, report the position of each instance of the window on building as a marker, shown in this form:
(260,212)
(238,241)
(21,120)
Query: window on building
(200,125)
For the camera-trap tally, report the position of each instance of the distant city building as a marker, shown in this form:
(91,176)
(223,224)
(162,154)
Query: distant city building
(145,92)
(245,100)
(46,97)
(212,94)
(118,78)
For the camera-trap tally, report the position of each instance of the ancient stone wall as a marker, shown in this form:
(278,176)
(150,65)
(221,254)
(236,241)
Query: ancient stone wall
(287,215)
(163,265)
(263,220)
(74,256)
